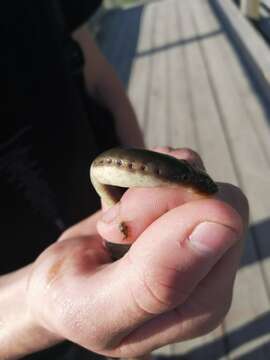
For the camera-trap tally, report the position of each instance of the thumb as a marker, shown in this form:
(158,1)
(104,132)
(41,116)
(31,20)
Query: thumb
(178,250)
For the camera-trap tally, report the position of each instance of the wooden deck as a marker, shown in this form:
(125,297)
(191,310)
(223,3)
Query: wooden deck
(191,87)
(264,22)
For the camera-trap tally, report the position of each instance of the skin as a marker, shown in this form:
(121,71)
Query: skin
(128,168)
(130,307)
(20,332)
(104,86)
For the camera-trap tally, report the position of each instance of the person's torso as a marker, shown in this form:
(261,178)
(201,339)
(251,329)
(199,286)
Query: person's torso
(46,143)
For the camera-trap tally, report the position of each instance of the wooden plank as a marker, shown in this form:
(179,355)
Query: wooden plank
(210,346)
(255,45)
(140,78)
(119,37)
(129,25)
(165,351)
(183,130)
(119,54)
(180,116)
(221,94)
(157,130)
(259,117)
(206,117)
(263,24)
(258,108)
(266,2)
(250,8)
(249,155)
(110,36)
(250,160)
(141,88)
(205,111)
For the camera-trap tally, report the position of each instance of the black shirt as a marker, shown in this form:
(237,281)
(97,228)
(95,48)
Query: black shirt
(46,138)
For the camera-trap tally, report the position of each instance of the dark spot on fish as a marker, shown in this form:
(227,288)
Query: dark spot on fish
(143,167)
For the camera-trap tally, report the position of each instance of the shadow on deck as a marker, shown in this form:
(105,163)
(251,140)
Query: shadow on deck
(215,350)
(119,38)
(251,73)
(260,233)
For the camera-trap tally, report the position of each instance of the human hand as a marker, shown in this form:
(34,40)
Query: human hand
(175,283)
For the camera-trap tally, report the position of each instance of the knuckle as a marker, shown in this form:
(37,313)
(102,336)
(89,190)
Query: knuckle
(151,295)
(191,156)
(163,149)
(164,288)
(158,296)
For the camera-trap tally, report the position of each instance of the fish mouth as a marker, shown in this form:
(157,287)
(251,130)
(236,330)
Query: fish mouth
(115,192)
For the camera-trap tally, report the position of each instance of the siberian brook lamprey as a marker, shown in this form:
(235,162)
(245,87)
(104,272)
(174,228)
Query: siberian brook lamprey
(117,169)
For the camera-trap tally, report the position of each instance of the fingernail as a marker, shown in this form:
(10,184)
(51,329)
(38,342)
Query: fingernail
(212,238)
(111,214)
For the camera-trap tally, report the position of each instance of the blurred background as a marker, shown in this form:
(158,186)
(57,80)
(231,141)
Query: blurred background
(197,73)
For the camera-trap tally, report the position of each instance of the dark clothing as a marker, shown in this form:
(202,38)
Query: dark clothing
(77,12)
(46,142)
(46,138)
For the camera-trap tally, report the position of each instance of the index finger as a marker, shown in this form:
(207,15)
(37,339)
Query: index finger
(139,207)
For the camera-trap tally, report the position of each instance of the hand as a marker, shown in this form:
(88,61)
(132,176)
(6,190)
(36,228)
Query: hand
(175,283)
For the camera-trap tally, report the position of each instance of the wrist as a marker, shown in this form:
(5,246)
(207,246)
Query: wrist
(21,333)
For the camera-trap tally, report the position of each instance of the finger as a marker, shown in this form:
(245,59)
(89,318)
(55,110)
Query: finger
(202,231)
(137,214)
(205,309)
(160,271)
(163,269)
(233,196)
(183,154)
(137,209)
(124,222)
